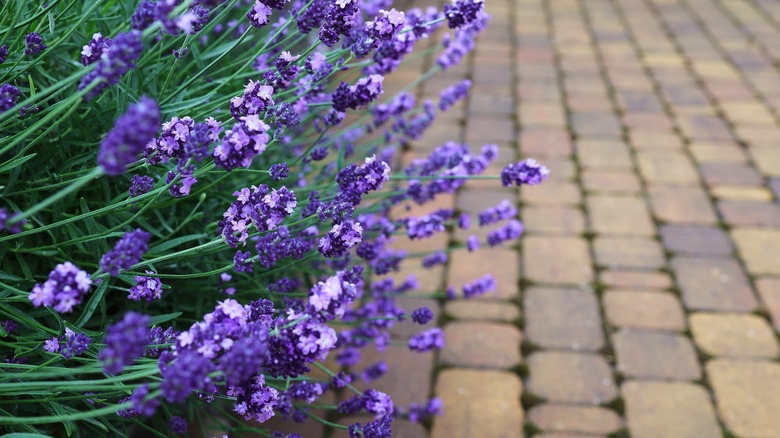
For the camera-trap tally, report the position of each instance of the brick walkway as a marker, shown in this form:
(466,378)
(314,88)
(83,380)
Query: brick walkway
(644,298)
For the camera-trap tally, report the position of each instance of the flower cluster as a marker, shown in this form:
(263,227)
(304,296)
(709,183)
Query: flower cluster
(146,288)
(125,342)
(35,43)
(127,252)
(524,172)
(9,95)
(63,290)
(132,131)
(242,143)
(261,207)
(75,344)
(115,63)
(93,51)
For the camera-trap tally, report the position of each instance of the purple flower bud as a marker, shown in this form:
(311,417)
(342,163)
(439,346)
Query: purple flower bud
(127,252)
(178,425)
(140,184)
(472,243)
(462,12)
(131,132)
(35,43)
(431,339)
(115,62)
(437,258)
(503,211)
(146,288)
(64,289)
(94,50)
(125,342)
(479,286)
(9,95)
(450,95)
(279,171)
(524,172)
(422,316)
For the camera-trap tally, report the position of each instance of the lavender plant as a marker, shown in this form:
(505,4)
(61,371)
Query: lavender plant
(195,209)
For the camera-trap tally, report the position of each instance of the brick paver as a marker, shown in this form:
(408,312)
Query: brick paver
(651,256)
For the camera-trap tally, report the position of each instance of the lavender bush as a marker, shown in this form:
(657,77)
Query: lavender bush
(195,205)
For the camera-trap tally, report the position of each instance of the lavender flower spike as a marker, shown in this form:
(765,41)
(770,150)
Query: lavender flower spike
(524,172)
(63,290)
(115,62)
(131,132)
(34,43)
(127,252)
(125,342)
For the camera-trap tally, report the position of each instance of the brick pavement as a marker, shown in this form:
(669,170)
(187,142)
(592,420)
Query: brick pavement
(644,297)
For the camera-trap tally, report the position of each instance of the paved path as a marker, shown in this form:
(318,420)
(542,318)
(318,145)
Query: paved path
(644,299)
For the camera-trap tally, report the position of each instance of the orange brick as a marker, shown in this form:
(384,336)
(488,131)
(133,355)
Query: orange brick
(473,344)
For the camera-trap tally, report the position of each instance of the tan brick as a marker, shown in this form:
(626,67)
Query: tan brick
(595,124)
(729,174)
(551,193)
(718,153)
(563,318)
(603,154)
(666,168)
(587,103)
(636,279)
(651,122)
(538,114)
(655,355)
(553,219)
(478,403)
(734,335)
(713,284)
(669,409)
(504,267)
(750,213)
(545,142)
(481,345)
(575,419)
(769,291)
(628,252)
(747,395)
(757,135)
(610,181)
(654,141)
(644,310)
(619,215)
(760,249)
(408,376)
(482,310)
(558,376)
(704,127)
(767,159)
(696,239)
(475,201)
(749,113)
(742,193)
(681,205)
(556,260)
(489,130)
(561,169)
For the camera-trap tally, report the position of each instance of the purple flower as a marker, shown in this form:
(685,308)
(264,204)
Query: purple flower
(340,17)
(280,244)
(242,261)
(140,184)
(503,211)
(144,406)
(422,315)
(524,172)
(511,231)
(329,299)
(479,286)
(51,345)
(125,342)
(259,14)
(75,344)
(157,338)
(63,290)
(242,143)
(146,288)
(355,96)
(187,373)
(431,339)
(9,95)
(3,53)
(437,258)
(464,221)
(355,181)
(428,225)
(373,429)
(92,51)
(131,132)
(279,171)
(144,15)
(374,372)
(455,49)
(472,243)
(450,95)
(34,43)
(256,401)
(340,238)
(115,62)
(178,425)
(13,228)
(256,99)
(386,25)
(257,207)
(179,53)
(127,252)
(432,408)
(462,12)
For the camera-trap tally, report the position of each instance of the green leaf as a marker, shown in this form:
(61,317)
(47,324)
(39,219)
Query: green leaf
(24,435)
(51,26)
(161,248)
(159,319)
(14,163)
